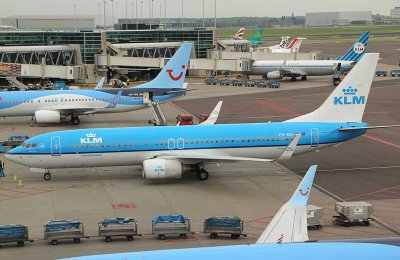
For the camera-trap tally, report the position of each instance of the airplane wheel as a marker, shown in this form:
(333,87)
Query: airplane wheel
(293,79)
(47,176)
(202,174)
(304,78)
(75,120)
(213,235)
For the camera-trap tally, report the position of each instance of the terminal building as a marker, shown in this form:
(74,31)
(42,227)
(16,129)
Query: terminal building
(86,56)
(50,22)
(327,19)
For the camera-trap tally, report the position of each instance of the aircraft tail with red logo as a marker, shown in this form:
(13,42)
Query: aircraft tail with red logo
(172,76)
(239,34)
(290,223)
(295,44)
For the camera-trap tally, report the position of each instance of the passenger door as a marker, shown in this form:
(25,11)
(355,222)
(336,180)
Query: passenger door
(314,137)
(55,146)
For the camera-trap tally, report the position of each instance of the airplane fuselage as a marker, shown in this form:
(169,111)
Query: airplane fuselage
(131,146)
(26,103)
(301,67)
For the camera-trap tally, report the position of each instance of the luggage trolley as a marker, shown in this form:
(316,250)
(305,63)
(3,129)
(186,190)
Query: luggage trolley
(64,229)
(14,233)
(118,227)
(171,225)
(223,225)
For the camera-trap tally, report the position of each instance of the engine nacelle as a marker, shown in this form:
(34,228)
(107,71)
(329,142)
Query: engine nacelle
(273,75)
(47,116)
(162,169)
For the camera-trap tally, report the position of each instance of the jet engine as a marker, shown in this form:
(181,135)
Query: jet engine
(162,169)
(274,75)
(47,116)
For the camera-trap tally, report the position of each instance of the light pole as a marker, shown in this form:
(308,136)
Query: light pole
(203,13)
(104,11)
(76,28)
(141,10)
(132,12)
(165,14)
(182,14)
(126,14)
(137,25)
(161,13)
(215,13)
(99,15)
(112,11)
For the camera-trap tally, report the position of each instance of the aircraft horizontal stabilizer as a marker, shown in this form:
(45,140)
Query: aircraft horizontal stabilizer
(114,102)
(366,127)
(290,223)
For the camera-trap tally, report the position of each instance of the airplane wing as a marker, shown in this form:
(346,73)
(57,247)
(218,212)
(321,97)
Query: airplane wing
(286,71)
(85,110)
(290,223)
(199,157)
(213,116)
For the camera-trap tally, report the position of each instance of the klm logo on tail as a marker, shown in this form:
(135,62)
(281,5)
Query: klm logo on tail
(349,97)
(357,50)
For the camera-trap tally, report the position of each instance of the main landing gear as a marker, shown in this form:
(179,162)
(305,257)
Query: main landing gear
(75,120)
(201,173)
(304,78)
(293,79)
(47,175)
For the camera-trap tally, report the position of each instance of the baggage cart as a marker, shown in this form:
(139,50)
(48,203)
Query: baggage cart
(14,233)
(55,230)
(223,225)
(171,225)
(353,212)
(115,227)
(314,216)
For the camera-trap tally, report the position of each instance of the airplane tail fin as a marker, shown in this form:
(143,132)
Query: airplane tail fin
(357,50)
(172,76)
(100,84)
(295,44)
(283,42)
(347,102)
(239,34)
(257,37)
(290,223)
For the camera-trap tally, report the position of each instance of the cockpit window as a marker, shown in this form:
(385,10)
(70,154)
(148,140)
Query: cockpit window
(28,145)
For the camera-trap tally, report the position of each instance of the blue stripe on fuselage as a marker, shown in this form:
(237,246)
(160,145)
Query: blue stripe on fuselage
(189,137)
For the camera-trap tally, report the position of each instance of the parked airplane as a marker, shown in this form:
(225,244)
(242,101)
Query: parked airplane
(276,242)
(239,40)
(51,106)
(169,151)
(257,37)
(304,68)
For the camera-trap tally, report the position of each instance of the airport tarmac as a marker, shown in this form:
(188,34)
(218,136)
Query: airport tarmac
(362,169)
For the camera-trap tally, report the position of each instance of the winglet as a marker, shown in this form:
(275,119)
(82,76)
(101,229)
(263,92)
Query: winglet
(290,223)
(288,152)
(213,116)
(114,102)
(100,84)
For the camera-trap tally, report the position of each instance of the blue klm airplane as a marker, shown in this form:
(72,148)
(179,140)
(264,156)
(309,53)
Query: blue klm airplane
(283,239)
(51,106)
(170,151)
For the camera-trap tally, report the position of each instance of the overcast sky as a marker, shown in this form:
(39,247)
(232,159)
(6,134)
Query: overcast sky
(193,8)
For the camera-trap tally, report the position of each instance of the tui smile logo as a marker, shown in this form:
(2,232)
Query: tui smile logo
(349,97)
(304,193)
(175,78)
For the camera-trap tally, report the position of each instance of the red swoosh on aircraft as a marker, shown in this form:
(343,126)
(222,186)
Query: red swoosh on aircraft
(173,77)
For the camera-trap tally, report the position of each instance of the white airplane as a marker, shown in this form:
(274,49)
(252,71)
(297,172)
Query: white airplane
(52,106)
(277,69)
(283,239)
